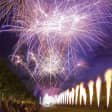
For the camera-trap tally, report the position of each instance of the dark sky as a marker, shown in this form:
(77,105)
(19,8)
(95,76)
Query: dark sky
(7,42)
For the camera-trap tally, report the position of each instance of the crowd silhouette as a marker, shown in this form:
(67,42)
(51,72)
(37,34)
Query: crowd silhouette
(12,106)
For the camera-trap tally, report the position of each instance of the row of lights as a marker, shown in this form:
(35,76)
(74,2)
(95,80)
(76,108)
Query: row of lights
(79,92)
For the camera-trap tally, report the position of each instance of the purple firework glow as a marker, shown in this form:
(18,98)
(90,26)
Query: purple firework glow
(49,33)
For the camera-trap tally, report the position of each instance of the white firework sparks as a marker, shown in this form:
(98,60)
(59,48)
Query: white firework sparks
(51,65)
(60,25)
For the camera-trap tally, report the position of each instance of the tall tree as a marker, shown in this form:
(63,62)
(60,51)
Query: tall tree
(10,84)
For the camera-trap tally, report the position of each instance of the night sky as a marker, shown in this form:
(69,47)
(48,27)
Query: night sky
(97,61)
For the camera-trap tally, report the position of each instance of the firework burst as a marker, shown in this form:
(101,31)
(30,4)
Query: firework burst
(50,31)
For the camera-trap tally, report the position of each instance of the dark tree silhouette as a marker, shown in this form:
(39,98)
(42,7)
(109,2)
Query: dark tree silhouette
(10,84)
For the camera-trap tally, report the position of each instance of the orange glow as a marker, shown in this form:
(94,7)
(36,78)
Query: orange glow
(83,95)
(98,90)
(81,92)
(67,96)
(90,87)
(73,95)
(76,94)
(108,79)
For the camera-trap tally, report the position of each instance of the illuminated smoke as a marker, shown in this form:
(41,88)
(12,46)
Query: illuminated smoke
(91,91)
(98,90)
(48,101)
(108,79)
